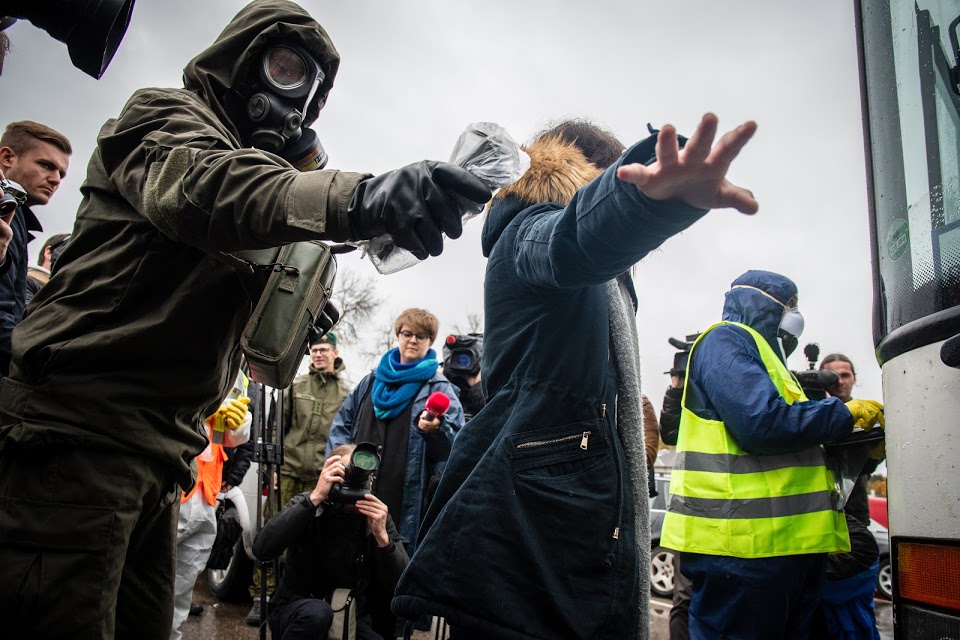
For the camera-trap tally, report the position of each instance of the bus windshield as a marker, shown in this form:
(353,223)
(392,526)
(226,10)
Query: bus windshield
(913,109)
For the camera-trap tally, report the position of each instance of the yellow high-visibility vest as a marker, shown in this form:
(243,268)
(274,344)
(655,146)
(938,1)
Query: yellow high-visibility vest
(724,501)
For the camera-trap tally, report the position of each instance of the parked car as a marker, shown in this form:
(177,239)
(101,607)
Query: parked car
(232,583)
(661,559)
(878,509)
(885,575)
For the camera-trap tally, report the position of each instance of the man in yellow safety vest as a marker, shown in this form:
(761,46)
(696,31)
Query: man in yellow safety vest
(752,505)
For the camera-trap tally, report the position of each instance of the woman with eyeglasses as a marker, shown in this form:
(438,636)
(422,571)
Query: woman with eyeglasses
(387,408)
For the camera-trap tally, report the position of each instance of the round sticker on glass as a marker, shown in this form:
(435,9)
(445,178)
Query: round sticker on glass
(898,239)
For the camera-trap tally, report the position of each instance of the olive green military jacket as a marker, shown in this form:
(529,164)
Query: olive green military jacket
(135,339)
(316,397)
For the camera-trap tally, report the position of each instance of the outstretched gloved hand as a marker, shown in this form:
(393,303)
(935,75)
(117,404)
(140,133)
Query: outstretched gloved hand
(234,412)
(866,413)
(415,204)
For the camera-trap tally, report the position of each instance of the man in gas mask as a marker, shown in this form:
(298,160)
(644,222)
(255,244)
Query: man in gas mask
(135,339)
(752,505)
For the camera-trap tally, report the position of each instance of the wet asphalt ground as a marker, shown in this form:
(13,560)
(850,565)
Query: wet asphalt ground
(225,621)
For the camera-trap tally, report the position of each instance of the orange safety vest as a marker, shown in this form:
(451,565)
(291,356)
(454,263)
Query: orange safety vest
(209,471)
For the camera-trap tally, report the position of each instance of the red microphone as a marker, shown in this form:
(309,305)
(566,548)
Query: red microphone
(437,404)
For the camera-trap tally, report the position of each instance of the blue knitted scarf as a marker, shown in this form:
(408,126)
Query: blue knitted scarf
(396,384)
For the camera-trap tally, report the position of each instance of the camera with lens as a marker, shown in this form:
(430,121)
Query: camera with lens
(815,383)
(682,356)
(13,196)
(461,355)
(358,475)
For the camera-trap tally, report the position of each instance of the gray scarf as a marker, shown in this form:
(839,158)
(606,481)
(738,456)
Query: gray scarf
(626,358)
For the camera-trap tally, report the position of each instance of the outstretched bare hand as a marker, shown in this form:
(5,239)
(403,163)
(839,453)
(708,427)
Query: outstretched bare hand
(697,173)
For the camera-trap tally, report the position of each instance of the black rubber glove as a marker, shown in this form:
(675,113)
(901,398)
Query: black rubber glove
(414,204)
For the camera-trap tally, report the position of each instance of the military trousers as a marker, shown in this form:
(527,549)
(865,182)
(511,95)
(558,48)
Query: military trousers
(87,544)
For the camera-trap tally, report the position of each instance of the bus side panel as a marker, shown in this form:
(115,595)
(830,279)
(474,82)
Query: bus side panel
(922,410)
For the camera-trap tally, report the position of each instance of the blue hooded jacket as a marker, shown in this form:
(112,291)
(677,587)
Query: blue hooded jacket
(728,381)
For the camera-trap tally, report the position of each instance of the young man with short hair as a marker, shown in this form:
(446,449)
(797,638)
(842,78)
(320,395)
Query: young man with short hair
(36,157)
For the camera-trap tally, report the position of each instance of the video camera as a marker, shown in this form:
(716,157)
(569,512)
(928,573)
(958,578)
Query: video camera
(462,354)
(357,476)
(681,358)
(815,383)
(13,195)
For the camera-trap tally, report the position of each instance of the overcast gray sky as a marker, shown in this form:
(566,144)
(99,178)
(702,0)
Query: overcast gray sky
(415,73)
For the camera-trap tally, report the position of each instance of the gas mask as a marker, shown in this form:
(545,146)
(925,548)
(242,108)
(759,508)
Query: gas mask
(791,326)
(286,81)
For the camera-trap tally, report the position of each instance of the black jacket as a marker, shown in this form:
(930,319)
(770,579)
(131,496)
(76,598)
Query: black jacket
(670,416)
(239,458)
(329,549)
(238,463)
(13,281)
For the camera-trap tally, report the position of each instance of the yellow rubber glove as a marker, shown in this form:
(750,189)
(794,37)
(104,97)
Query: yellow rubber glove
(234,412)
(866,413)
(878,451)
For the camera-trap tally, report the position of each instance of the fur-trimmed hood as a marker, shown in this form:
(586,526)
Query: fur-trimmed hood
(557,171)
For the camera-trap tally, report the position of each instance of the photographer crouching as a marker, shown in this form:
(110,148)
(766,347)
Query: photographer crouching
(337,536)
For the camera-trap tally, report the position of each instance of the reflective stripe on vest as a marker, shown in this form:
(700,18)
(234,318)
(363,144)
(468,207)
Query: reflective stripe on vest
(724,501)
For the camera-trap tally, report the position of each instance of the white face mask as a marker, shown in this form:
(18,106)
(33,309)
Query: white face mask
(792,322)
(788,335)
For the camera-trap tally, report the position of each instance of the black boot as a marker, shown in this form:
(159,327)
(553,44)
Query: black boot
(254,618)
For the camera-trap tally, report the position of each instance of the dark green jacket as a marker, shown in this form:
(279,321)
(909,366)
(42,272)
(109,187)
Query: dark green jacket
(135,338)
(317,397)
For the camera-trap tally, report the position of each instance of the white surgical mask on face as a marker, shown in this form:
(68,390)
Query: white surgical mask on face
(792,322)
(791,326)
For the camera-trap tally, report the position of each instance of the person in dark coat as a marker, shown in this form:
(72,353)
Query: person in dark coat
(329,546)
(847,605)
(39,275)
(136,337)
(37,158)
(540,525)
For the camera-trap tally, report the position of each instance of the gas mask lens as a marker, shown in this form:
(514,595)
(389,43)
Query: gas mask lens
(285,68)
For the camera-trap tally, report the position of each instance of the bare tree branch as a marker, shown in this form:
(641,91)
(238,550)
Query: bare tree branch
(474,324)
(357,298)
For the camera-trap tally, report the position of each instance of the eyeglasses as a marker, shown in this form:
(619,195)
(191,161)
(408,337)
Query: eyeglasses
(421,337)
(323,350)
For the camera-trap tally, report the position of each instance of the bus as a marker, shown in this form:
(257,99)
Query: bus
(909,56)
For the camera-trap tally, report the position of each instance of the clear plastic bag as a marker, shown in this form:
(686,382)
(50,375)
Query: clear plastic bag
(486,150)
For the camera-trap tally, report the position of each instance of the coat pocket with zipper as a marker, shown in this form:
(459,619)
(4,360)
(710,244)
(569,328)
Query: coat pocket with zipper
(560,451)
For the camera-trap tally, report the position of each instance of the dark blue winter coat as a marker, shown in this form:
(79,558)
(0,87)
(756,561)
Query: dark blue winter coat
(13,281)
(531,533)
